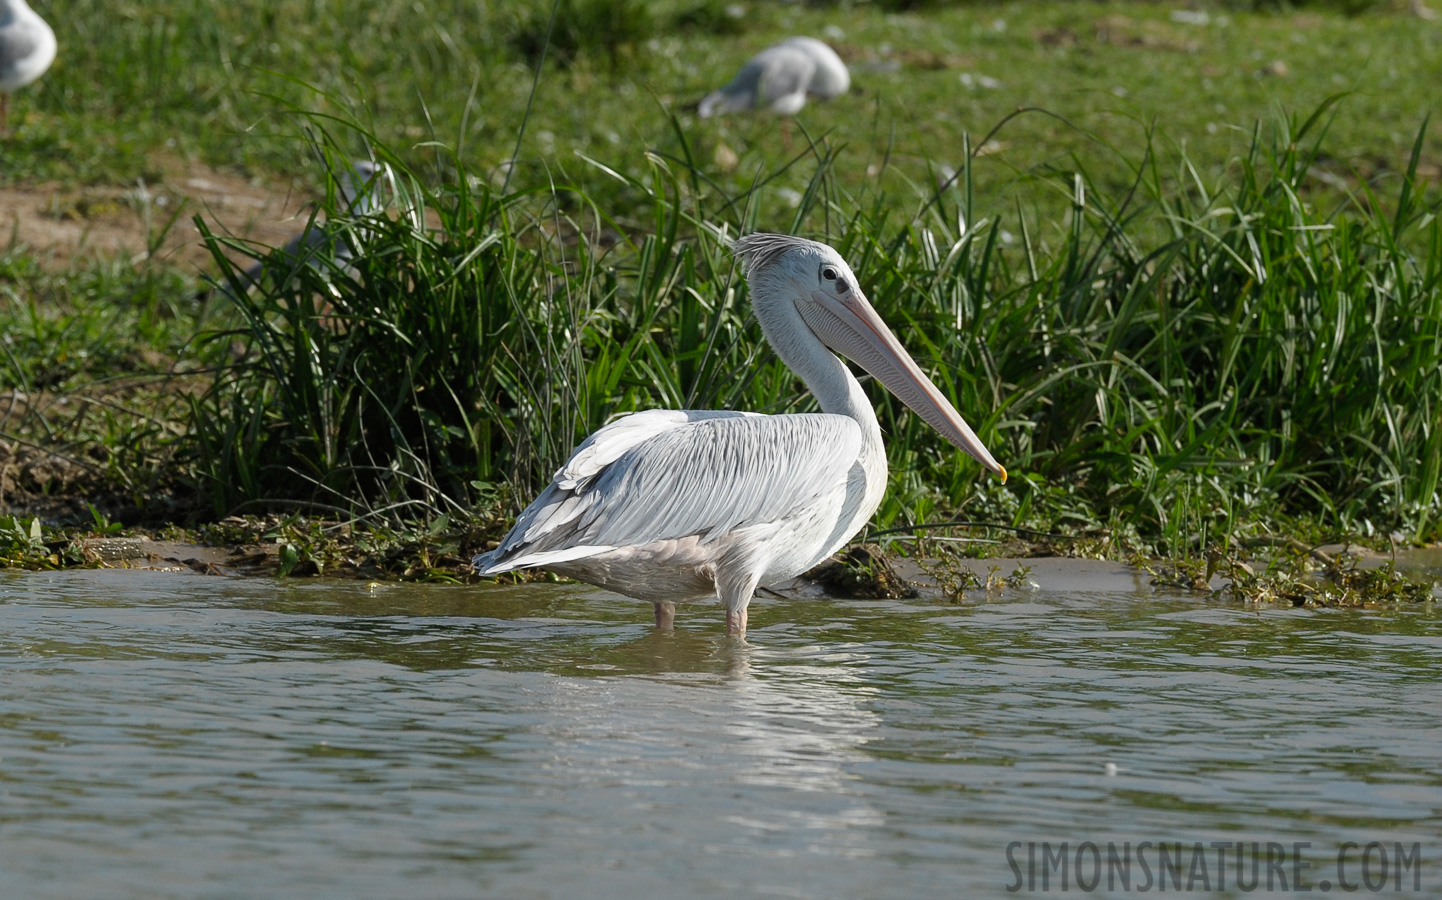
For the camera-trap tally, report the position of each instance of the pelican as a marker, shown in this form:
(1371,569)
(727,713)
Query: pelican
(669,506)
(779,78)
(27,48)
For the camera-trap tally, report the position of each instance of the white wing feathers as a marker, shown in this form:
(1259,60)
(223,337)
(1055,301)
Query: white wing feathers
(669,474)
(606,446)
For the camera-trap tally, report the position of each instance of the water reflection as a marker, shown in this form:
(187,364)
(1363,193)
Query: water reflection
(802,729)
(163,733)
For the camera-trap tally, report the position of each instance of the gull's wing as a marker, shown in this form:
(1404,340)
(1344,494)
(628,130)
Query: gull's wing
(359,184)
(831,79)
(317,244)
(16,44)
(785,70)
(678,474)
(310,247)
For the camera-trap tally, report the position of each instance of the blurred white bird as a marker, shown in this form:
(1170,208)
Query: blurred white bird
(27,48)
(779,78)
(677,505)
(317,246)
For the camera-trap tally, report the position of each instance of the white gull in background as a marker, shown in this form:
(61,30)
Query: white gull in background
(317,246)
(682,505)
(27,48)
(779,79)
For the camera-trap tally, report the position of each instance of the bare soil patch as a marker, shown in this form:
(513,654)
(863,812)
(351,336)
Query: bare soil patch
(64,223)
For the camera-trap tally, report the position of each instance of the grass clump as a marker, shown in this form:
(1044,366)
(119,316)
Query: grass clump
(474,341)
(379,384)
(1265,350)
(1175,364)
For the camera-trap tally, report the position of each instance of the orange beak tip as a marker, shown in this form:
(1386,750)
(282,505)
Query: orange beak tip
(1002,472)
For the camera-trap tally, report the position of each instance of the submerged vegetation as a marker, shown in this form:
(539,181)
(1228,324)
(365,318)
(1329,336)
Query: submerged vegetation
(1171,354)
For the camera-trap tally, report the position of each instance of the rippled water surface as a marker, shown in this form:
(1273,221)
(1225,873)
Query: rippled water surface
(167,735)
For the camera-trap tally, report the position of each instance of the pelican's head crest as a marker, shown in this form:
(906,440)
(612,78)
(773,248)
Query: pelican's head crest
(761,251)
(782,268)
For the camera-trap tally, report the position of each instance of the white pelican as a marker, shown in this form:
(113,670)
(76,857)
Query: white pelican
(678,505)
(27,48)
(779,78)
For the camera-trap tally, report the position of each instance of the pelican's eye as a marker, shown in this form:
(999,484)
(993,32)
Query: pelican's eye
(829,274)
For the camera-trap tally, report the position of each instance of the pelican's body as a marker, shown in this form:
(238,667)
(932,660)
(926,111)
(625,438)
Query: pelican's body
(27,48)
(779,79)
(677,505)
(718,502)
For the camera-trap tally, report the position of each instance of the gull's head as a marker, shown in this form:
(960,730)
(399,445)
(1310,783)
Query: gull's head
(796,283)
(359,184)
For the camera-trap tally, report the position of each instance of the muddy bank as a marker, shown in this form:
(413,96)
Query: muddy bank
(1356,576)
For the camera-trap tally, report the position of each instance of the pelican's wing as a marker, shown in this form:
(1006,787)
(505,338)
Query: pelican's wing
(568,494)
(598,451)
(688,474)
(772,73)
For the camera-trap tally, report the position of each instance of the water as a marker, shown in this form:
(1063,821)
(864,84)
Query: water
(170,735)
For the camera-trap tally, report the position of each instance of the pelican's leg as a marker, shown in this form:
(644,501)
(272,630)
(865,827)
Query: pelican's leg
(665,615)
(735,589)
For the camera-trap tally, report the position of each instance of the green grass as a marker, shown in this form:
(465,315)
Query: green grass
(94,365)
(212,80)
(1180,307)
(1187,362)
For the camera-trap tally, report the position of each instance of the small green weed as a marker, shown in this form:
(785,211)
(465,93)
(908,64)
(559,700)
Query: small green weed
(32,546)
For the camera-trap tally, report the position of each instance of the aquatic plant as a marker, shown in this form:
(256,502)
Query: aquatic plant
(33,546)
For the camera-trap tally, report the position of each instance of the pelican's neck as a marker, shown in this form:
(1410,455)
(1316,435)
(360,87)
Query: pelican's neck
(828,378)
(834,387)
(840,394)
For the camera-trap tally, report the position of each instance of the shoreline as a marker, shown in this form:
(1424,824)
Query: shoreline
(1354,577)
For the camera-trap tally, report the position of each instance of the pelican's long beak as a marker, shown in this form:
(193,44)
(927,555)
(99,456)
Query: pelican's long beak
(849,325)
